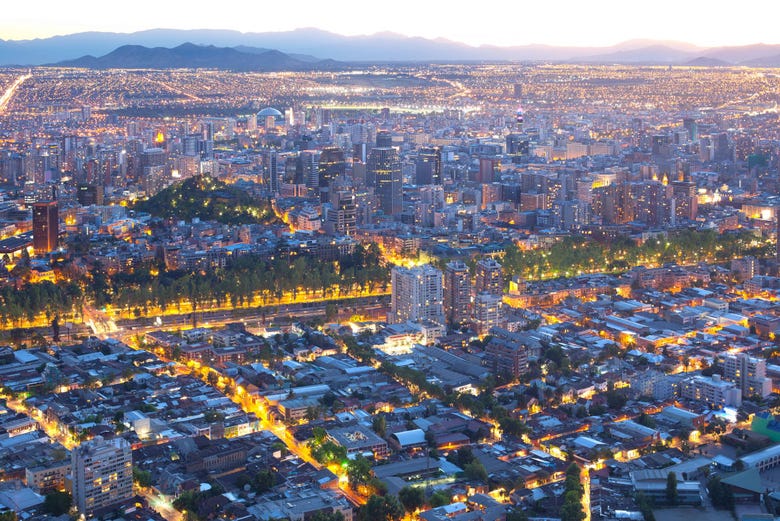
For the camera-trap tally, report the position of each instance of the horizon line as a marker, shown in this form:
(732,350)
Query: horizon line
(645,40)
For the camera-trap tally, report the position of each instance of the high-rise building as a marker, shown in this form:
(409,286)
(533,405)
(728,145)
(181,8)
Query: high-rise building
(427,169)
(488,312)
(102,474)
(416,295)
(490,277)
(331,166)
(46,226)
(341,217)
(748,373)
(692,127)
(506,354)
(457,292)
(384,139)
(489,167)
(383,172)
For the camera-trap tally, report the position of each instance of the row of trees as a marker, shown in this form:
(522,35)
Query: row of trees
(574,255)
(244,279)
(572,497)
(33,300)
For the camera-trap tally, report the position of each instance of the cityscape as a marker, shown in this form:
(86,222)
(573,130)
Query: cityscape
(241,283)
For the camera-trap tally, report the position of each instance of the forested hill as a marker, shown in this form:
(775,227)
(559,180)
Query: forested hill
(209,200)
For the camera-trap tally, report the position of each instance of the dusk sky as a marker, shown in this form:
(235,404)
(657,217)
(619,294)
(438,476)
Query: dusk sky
(519,22)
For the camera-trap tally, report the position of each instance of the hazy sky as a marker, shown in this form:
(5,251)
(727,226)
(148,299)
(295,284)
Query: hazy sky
(499,22)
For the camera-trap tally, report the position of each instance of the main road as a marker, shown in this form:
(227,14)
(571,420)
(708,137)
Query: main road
(8,95)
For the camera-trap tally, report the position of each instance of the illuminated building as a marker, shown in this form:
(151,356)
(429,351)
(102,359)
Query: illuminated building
(46,224)
(489,168)
(383,172)
(341,216)
(457,292)
(416,295)
(102,474)
(428,166)
(505,354)
(488,312)
(686,201)
(490,277)
(748,373)
(331,165)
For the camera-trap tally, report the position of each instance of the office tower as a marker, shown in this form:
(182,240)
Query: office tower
(692,127)
(427,168)
(331,166)
(517,144)
(489,167)
(341,217)
(46,227)
(748,373)
(686,202)
(488,312)
(307,171)
(272,171)
(88,195)
(490,277)
(416,295)
(102,474)
(383,172)
(384,139)
(457,292)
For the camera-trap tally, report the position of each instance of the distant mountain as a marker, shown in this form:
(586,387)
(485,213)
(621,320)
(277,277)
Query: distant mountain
(704,61)
(655,53)
(743,54)
(768,61)
(191,56)
(304,44)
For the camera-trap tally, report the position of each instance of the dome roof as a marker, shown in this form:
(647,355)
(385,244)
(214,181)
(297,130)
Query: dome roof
(269,111)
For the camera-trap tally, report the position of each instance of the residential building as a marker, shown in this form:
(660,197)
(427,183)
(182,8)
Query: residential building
(102,474)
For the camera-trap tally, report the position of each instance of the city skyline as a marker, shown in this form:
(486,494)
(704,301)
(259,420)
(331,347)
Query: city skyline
(593,24)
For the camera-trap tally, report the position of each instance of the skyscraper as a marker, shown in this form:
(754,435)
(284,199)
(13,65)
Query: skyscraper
(383,172)
(488,312)
(46,226)
(428,166)
(490,277)
(416,295)
(331,166)
(457,292)
(102,474)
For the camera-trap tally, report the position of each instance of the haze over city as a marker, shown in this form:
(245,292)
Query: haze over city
(567,22)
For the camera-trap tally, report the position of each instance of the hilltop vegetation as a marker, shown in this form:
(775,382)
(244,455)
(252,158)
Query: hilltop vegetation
(209,200)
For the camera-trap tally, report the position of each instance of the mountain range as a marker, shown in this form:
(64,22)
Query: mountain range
(303,44)
(191,56)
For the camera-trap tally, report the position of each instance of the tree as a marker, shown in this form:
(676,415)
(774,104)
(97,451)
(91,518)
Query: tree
(359,471)
(475,471)
(379,424)
(721,495)
(572,507)
(439,498)
(412,498)
(143,478)
(57,503)
(671,488)
(381,508)
(8,516)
